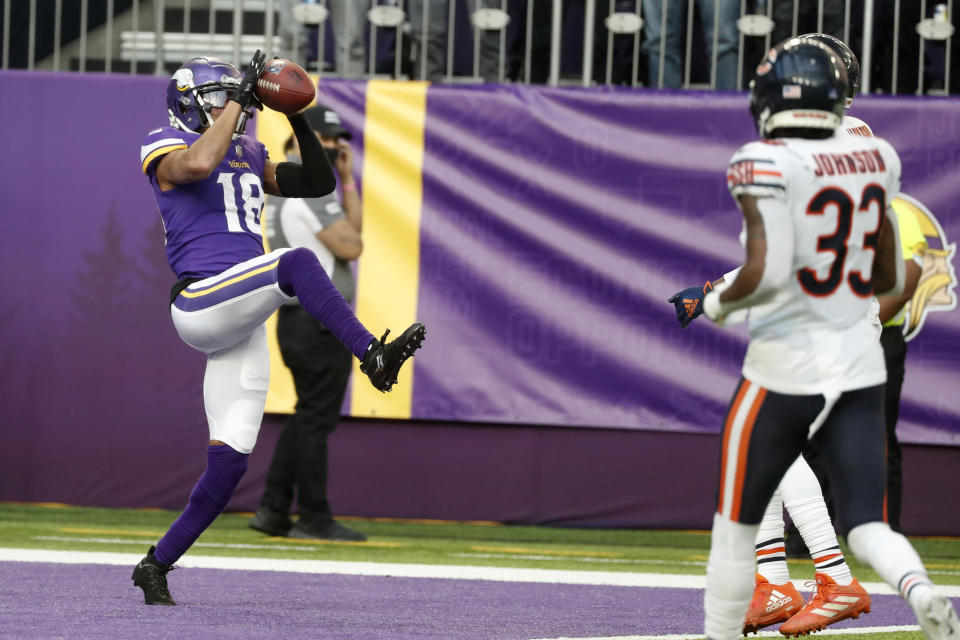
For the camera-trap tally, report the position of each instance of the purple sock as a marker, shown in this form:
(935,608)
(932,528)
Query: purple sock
(299,274)
(209,497)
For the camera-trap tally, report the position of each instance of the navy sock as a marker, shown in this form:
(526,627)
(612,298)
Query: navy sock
(209,497)
(299,274)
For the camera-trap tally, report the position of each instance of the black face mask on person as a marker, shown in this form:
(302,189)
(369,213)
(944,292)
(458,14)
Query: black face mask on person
(332,155)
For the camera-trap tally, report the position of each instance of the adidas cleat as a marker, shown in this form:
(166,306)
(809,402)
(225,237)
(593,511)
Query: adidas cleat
(151,576)
(830,603)
(383,360)
(771,604)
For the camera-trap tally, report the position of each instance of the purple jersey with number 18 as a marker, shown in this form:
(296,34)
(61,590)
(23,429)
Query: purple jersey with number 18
(211,224)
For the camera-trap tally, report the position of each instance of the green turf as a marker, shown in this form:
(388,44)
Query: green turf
(677,552)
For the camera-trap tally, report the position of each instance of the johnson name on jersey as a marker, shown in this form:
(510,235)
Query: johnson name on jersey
(211,224)
(813,332)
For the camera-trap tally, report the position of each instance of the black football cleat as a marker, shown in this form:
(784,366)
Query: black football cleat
(382,361)
(151,576)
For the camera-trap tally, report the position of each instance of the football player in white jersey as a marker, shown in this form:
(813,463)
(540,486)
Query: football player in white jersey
(819,245)
(775,599)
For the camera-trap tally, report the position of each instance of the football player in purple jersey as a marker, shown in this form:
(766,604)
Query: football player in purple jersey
(209,179)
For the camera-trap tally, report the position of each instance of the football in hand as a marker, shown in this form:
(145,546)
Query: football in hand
(285,87)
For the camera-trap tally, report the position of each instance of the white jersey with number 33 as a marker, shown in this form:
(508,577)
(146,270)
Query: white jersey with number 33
(813,336)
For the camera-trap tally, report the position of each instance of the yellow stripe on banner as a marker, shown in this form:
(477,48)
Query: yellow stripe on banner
(273,130)
(389,270)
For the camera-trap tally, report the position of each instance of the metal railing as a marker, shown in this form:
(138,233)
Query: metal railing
(657,43)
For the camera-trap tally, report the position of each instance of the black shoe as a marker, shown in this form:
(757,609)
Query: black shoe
(382,362)
(332,531)
(795,547)
(151,576)
(270,522)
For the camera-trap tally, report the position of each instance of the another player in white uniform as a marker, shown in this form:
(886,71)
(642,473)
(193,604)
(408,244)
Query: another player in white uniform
(838,595)
(819,246)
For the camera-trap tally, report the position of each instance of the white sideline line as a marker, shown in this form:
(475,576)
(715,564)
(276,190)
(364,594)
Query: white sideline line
(321,549)
(384,569)
(520,556)
(454,572)
(769,634)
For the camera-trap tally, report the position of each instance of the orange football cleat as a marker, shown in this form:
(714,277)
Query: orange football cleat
(772,603)
(830,603)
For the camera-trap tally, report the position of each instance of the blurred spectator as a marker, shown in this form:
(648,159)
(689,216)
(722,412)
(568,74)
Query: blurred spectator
(349,19)
(908,51)
(539,43)
(621,51)
(434,45)
(781,11)
(722,14)
(291,32)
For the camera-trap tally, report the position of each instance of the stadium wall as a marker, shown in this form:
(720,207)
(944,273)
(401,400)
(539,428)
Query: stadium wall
(549,225)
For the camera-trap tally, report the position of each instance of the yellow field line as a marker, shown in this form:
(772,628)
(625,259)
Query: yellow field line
(368,543)
(473,523)
(551,552)
(122,532)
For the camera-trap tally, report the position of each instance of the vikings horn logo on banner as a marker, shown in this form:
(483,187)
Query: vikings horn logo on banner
(939,278)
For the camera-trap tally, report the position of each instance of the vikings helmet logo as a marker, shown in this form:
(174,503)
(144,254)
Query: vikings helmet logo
(938,279)
(184,78)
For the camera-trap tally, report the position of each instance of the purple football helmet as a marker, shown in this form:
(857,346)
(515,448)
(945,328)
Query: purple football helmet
(199,85)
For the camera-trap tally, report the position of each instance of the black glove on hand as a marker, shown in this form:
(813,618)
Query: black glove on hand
(244,94)
(689,303)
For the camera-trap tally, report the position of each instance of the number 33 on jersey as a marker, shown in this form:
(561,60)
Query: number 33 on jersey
(204,219)
(836,192)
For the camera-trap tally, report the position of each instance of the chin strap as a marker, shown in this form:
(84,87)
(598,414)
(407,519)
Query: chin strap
(241,123)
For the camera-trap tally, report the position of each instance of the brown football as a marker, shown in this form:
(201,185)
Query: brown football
(285,87)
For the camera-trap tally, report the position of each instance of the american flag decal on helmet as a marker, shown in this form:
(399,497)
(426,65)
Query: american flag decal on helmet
(791,91)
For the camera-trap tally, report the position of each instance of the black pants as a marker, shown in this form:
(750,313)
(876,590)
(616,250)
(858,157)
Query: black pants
(758,450)
(895,355)
(320,365)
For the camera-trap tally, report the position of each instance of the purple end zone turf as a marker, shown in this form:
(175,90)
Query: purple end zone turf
(40,600)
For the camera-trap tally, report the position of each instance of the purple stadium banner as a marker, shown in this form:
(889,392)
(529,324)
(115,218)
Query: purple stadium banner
(555,224)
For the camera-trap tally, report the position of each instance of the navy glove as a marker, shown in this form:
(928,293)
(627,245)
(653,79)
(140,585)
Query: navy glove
(689,303)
